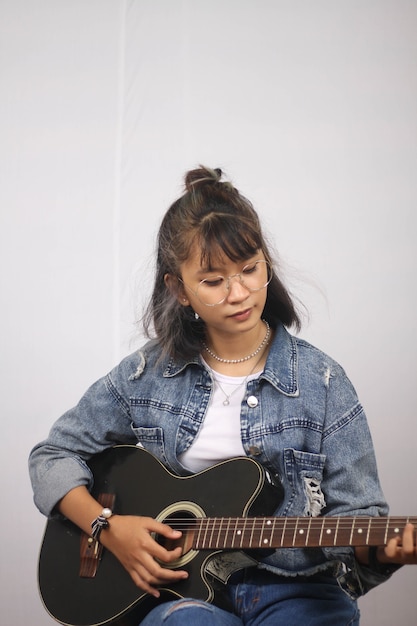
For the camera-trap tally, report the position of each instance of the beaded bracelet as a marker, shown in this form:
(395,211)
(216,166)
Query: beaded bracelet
(101,522)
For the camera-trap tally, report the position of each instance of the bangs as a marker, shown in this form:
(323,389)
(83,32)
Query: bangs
(232,236)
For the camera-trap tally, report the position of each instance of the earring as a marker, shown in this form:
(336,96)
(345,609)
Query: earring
(196,315)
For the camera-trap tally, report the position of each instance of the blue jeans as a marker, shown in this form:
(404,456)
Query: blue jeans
(267,600)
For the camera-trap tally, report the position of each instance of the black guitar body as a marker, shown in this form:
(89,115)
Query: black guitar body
(144,487)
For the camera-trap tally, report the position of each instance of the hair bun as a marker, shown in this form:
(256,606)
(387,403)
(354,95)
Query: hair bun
(202,176)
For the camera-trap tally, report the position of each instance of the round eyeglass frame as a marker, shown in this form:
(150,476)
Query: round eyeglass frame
(270,274)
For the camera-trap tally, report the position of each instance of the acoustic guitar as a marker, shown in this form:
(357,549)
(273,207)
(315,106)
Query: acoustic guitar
(224,513)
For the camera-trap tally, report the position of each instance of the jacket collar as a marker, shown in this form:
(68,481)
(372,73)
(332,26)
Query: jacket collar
(175,366)
(281,367)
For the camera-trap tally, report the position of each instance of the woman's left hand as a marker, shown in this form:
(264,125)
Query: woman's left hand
(400,550)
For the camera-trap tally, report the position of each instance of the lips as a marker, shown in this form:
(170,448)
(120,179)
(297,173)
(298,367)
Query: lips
(242,314)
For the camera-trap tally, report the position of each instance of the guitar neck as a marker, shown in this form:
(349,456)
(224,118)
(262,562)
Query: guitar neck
(235,533)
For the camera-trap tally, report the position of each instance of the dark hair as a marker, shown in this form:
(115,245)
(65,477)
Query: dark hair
(216,217)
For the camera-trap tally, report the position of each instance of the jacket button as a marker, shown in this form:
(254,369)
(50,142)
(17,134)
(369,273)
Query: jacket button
(252,402)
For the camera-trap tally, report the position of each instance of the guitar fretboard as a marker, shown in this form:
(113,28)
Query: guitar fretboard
(298,532)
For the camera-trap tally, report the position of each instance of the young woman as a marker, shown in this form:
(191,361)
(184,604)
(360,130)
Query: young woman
(224,378)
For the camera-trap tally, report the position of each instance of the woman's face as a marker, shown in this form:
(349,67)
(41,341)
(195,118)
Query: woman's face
(241,308)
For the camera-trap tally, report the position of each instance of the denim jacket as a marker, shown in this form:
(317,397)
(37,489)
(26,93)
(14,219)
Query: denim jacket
(301,419)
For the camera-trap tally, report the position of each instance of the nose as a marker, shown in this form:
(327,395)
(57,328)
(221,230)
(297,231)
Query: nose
(236,291)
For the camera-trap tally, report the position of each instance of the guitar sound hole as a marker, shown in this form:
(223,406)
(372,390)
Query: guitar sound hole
(179,520)
(183,516)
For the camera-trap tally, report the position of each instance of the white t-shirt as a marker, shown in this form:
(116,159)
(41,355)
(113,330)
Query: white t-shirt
(219,436)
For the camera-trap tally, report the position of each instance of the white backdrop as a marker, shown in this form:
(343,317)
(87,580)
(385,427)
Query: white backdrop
(308,105)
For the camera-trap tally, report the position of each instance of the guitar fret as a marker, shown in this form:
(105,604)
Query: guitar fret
(336,530)
(368,531)
(258,535)
(234,534)
(352,532)
(283,531)
(227,531)
(261,534)
(395,525)
(274,524)
(308,531)
(198,534)
(209,534)
(305,531)
(205,534)
(251,533)
(219,532)
(328,532)
(321,532)
(242,545)
(386,532)
(239,532)
(295,532)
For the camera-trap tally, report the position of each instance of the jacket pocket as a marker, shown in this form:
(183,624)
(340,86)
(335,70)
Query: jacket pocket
(152,439)
(304,473)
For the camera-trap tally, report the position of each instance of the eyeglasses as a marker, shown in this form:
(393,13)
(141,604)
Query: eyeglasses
(254,277)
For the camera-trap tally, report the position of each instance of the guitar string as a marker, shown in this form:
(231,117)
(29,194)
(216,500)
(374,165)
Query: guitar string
(292,532)
(291,524)
(294,522)
(305,517)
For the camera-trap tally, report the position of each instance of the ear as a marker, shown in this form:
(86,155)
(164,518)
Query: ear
(176,288)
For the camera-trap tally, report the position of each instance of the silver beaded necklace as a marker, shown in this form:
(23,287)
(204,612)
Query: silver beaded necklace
(245,358)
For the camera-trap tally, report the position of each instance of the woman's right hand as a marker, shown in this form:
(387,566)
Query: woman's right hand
(129,538)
